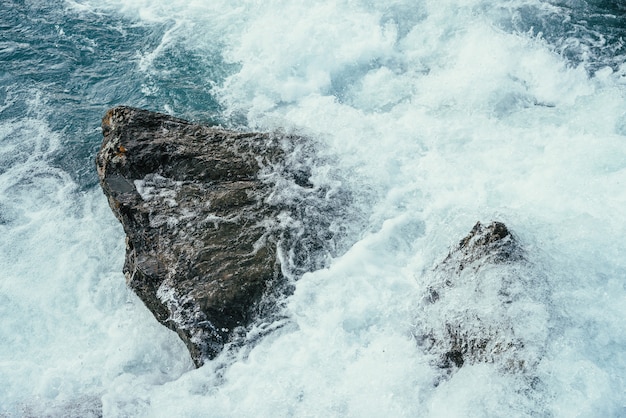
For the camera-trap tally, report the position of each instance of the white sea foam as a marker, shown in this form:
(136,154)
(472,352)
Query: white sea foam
(67,330)
(435,114)
(155,185)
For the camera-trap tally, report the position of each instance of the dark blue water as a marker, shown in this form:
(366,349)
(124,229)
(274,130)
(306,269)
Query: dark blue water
(588,33)
(77,65)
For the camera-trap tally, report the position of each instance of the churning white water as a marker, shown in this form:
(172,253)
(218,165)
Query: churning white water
(434,114)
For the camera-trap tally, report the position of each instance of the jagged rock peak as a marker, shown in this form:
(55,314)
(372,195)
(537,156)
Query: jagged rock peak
(492,243)
(483,236)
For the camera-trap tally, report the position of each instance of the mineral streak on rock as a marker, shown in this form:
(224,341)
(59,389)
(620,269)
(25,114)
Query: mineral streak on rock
(484,303)
(200,240)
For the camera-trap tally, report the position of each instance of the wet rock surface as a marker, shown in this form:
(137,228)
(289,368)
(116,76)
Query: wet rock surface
(201,225)
(484,303)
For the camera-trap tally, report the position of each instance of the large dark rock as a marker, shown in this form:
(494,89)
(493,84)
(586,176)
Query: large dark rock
(485,302)
(201,227)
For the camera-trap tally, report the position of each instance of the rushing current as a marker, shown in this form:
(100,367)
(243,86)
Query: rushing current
(434,114)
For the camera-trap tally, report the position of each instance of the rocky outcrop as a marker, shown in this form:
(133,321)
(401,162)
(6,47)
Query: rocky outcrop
(484,303)
(215,219)
(201,227)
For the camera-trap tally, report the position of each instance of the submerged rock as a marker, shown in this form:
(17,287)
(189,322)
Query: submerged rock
(201,228)
(484,303)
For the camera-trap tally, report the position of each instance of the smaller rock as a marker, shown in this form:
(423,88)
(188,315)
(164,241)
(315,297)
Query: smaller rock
(484,302)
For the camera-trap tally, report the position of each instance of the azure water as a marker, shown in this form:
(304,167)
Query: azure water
(432,114)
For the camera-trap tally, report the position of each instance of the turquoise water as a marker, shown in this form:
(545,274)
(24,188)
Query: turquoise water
(433,114)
